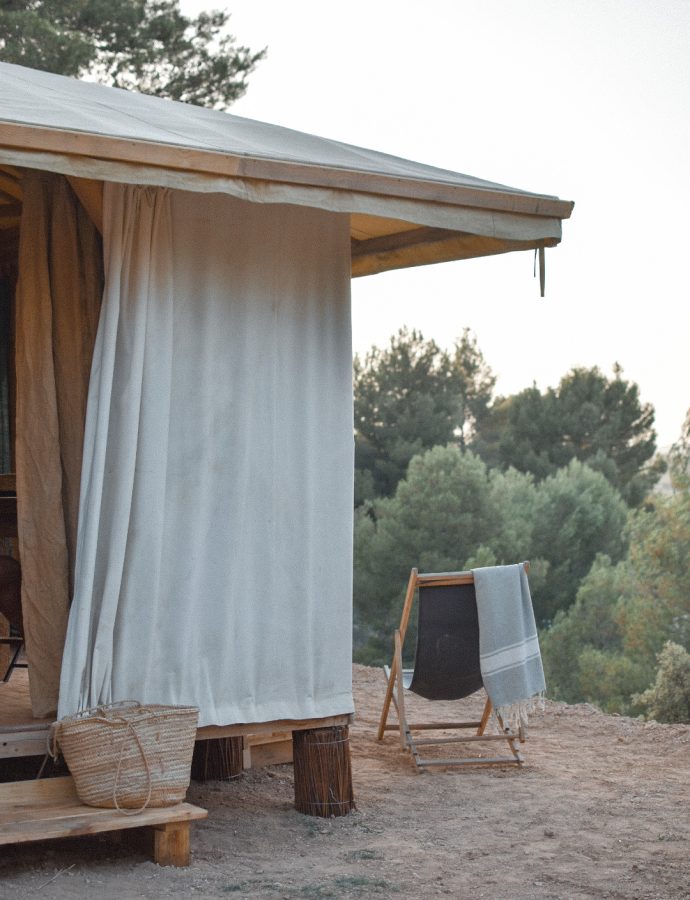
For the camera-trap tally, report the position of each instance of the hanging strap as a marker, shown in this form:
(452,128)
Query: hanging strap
(542,270)
(132,812)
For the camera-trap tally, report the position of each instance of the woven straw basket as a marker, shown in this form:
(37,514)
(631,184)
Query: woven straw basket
(129,756)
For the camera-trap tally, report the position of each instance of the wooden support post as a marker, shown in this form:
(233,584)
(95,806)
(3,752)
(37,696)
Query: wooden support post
(323,775)
(218,759)
(171,844)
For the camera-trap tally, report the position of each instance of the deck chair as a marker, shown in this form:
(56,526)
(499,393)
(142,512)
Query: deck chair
(446,668)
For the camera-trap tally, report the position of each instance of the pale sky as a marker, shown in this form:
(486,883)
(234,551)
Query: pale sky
(585,99)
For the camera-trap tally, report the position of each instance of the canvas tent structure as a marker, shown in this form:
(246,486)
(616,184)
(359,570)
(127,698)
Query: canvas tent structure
(182,438)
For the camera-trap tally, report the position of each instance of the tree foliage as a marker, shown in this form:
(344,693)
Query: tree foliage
(668,699)
(580,515)
(679,458)
(475,384)
(583,650)
(604,649)
(144,45)
(588,417)
(409,397)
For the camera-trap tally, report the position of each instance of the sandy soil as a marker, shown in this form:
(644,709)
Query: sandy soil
(600,809)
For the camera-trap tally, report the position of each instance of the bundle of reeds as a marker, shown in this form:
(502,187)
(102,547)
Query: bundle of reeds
(218,759)
(323,775)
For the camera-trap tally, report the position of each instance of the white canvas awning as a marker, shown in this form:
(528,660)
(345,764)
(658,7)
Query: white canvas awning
(402,213)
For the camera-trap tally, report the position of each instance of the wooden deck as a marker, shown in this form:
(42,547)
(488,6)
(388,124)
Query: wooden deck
(20,733)
(265,742)
(41,810)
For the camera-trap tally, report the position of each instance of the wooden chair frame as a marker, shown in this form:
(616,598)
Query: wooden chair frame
(16,645)
(395,694)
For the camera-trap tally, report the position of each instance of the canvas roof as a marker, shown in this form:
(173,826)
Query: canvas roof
(402,213)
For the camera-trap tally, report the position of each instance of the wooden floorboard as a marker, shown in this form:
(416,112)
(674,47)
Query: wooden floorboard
(20,733)
(15,702)
(43,810)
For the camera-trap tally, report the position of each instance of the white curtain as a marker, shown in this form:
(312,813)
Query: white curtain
(214,553)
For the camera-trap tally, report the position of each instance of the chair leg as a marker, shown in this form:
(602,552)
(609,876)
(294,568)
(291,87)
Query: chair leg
(13,664)
(395,668)
(387,701)
(488,706)
(400,692)
(510,738)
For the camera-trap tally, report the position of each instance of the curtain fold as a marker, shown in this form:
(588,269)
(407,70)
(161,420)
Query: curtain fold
(214,558)
(57,307)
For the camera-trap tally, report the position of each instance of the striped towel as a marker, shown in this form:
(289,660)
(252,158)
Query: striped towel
(509,655)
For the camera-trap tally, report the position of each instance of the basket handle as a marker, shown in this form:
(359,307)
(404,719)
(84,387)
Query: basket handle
(102,708)
(52,741)
(132,812)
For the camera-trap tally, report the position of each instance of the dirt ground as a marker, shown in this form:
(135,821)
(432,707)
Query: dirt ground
(600,809)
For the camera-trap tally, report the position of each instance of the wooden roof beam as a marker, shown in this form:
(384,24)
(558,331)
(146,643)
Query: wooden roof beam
(214,162)
(90,194)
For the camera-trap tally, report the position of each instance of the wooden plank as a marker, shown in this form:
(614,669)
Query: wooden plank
(208,732)
(255,740)
(50,808)
(46,792)
(273,754)
(23,743)
(20,733)
(72,816)
(364,226)
(462,740)
(90,194)
(440,579)
(83,820)
(401,239)
(444,579)
(478,761)
(172,156)
(435,726)
(267,749)
(15,705)
(10,185)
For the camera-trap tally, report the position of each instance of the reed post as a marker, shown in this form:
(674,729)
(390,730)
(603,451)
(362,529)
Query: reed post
(323,775)
(218,759)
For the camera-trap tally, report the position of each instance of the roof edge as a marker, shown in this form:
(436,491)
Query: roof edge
(169,156)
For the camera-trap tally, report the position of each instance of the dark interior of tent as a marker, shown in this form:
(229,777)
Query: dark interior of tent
(10,214)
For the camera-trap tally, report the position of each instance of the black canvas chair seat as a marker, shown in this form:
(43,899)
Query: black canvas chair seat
(446,667)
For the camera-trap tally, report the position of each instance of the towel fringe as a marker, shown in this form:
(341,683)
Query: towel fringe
(516,715)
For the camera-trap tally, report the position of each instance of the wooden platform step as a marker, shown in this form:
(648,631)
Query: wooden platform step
(45,809)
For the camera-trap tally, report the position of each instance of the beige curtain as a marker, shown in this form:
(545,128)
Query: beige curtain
(58,302)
